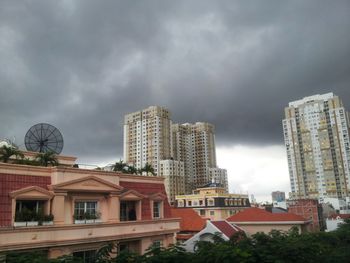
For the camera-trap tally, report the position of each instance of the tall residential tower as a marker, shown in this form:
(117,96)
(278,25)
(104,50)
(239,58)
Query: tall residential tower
(182,153)
(147,137)
(194,144)
(316,133)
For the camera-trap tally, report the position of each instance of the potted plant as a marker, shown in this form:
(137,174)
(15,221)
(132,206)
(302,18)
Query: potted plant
(32,218)
(47,220)
(97,218)
(79,219)
(89,218)
(19,220)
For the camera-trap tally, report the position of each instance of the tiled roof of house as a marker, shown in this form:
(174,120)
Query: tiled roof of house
(226,228)
(342,216)
(260,215)
(190,220)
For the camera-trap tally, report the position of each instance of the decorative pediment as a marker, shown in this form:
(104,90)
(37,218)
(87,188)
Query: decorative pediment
(157,197)
(87,184)
(32,192)
(131,195)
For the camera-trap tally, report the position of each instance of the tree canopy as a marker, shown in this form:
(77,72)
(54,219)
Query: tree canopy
(6,152)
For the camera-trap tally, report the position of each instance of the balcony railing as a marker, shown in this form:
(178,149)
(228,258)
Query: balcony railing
(58,235)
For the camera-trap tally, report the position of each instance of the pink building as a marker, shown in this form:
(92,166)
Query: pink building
(65,210)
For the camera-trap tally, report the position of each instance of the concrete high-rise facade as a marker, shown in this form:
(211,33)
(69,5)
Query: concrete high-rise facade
(147,137)
(194,144)
(218,175)
(316,134)
(174,174)
(183,153)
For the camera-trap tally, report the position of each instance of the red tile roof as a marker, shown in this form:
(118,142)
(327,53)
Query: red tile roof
(190,220)
(226,228)
(342,216)
(260,215)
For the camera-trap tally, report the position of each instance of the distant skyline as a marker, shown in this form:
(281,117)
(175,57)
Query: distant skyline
(82,65)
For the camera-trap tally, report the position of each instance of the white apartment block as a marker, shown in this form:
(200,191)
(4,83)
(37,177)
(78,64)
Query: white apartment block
(147,137)
(316,134)
(189,149)
(219,176)
(174,174)
(194,144)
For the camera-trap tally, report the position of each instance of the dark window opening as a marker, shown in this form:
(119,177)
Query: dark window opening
(86,256)
(128,211)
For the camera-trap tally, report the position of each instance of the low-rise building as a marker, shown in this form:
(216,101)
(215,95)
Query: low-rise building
(253,220)
(309,209)
(213,202)
(333,222)
(191,223)
(222,228)
(66,210)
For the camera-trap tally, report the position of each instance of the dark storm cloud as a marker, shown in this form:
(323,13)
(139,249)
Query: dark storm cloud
(82,65)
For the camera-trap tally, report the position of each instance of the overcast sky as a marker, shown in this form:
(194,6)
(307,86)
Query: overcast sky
(82,65)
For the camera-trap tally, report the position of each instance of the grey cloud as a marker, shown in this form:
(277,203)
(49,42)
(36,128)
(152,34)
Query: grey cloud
(82,65)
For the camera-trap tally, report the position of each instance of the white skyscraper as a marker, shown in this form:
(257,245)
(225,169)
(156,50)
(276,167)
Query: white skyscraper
(147,137)
(182,153)
(316,133)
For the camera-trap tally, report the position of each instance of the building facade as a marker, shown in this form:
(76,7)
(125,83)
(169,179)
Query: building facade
(64,210)
(147,137)
(174,174)
(151,137)
(316,134)
(278,196)
(219,176)
(309,209)
(213,202)
(194,145)
(225,229)
(254,220)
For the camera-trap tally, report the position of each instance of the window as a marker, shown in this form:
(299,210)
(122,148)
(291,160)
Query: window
(202,212)
(85,208)
(86,256)
(156,209)
(211,202)
(28,210)
(157,243)
(128,211)
(212,212)
(29,205)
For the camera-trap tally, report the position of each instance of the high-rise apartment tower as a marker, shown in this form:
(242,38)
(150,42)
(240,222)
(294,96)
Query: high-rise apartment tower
(316,133)
(147,137)
(194,144)
(182,153)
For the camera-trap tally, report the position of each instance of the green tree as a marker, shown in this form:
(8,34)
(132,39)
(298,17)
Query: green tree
(132,170)
(148,169)
(120,166)
(6,152)
(47,158)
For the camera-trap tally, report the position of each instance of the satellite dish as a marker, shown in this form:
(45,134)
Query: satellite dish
(43,137)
